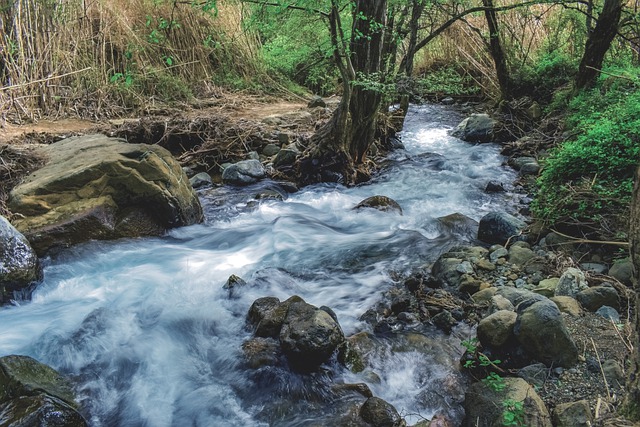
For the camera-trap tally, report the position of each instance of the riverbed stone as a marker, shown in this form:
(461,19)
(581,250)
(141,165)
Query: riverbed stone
(476,128)
(19,264)
(244,172)
(268,315)
(270,150)
(201,179)
(484,296)
(483,405)
(494,187)
(622,270)
(571,282)
(285,157)
(594,267)
(381,203)
(40,410)
(595,297)
(498,227)
(34,394)
(520,255)
(547,287)
(459,224)
(379,413)
(496,329)
(608,313)
(520,296)
(445,271)
(498,303)
(526,165)
(96,187)
(568,305)
(535,374)
(260,352)
(541,330)
(309,335)
(573,414)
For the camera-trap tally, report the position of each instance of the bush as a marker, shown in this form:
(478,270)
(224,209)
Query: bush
(550,72)
(590,177)
(447,80)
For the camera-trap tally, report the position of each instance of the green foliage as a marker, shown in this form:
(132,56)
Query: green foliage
(447,80)
(590,176)
(296,45)
(471,345)
(512,413)
(548,73)
(512,410)
(494,381)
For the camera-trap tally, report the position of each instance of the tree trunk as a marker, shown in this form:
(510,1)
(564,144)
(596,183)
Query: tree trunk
(406,66)
(496,51)
(632,404)
(338,150)
(598,44)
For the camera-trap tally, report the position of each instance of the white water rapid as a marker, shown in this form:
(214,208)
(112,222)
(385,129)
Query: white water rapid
(152,339)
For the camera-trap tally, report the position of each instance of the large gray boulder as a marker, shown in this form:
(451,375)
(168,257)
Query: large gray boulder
(484,406)
(309,335)
(95,187)
(498,227)
(19,265)
(541,331)
(33,394)
(476,128)
(244,173)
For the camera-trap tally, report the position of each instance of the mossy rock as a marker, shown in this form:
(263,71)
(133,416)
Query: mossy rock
(95,187)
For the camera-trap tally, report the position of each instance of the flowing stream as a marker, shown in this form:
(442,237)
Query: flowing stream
(146,329)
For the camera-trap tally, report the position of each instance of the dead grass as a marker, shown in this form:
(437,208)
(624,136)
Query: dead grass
(106,57)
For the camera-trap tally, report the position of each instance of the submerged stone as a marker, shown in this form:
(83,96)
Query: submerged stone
(381,203)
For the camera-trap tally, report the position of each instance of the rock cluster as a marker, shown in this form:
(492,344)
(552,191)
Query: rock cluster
(303,337)
(308,336)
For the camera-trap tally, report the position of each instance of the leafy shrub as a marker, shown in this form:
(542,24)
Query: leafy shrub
(447,80)
(590,177)
(540,80)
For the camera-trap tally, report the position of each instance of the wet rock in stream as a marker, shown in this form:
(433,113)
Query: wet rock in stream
(33,394)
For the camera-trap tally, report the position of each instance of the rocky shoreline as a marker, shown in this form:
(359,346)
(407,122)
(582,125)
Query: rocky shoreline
(551,340)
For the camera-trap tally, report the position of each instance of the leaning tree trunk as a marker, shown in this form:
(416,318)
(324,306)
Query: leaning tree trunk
(338,149)
(496,51)
(632,403)
(598,44)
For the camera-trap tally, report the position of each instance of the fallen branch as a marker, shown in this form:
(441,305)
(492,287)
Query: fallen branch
(598,242)
(43,80)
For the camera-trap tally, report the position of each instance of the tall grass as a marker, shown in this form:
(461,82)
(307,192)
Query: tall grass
(100,58)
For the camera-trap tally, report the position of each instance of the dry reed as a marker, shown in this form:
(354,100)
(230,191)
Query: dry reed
(102,58)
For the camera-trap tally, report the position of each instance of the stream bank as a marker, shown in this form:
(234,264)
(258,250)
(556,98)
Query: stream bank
(308,243)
